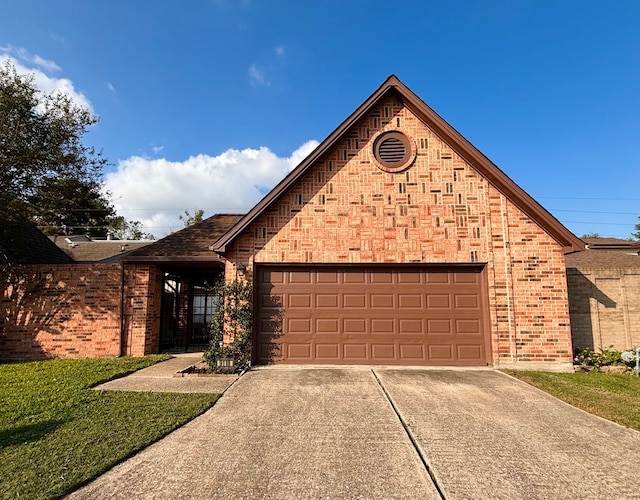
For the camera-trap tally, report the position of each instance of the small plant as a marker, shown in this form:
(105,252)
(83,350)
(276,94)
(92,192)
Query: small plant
(607,356)
(231,327)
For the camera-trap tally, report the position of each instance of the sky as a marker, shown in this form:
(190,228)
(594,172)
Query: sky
(207,104)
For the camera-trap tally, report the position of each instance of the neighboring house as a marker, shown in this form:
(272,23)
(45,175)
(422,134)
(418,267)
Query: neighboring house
(85,249)
(630,247)
(394,242)
(604,299)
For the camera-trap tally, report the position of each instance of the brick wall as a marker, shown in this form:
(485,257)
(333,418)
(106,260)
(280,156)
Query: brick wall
(605,307)
(63,311)
(439,210)
(142,303)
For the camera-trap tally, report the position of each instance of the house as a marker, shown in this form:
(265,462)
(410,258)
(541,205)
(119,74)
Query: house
(394,242)
(618,245)
(83,248)
(397,242)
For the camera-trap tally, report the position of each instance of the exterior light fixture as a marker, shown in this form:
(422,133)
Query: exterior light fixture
(241,268)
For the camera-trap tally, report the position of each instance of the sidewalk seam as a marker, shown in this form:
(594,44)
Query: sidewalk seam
(412,439)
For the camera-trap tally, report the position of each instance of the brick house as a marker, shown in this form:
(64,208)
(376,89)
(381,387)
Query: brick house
(397,242)
(394,242)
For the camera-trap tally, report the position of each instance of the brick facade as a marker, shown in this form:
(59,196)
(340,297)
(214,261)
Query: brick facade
(440,210)
(67,311)
(74,311)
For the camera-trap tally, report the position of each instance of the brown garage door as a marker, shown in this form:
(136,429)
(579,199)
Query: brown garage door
(371,315)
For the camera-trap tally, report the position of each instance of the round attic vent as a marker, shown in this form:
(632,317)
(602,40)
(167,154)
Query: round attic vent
(393,151)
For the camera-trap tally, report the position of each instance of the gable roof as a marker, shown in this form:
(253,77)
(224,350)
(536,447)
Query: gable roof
(192,243)
(594,243)
(394,87)
(94,251)
(23,243)
(602,259)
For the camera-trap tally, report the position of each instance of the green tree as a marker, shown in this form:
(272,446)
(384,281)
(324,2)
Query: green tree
(636,235)
(190,220)
(40,140)
(123,229)
(591,235)
(68,205)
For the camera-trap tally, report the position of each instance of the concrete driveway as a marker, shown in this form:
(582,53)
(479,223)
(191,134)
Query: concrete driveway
(383,433)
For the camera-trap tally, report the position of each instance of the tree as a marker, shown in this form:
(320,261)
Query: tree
(637,233)
(40,141)
(190,220)
(68,205)
(122,229)
(591,235)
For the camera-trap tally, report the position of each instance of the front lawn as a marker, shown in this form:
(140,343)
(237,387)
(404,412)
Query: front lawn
(56,433)
(615,397)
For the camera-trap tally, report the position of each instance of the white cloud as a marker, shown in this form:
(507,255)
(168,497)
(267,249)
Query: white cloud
(279,50)
(157,191)
(257,76)
(28,64)
(110,86)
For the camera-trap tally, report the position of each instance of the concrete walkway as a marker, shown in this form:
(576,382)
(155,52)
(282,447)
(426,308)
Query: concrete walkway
(164,377)
(382,433)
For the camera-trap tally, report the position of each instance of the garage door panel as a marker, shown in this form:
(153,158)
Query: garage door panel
(438,326)
(468,327)
(382,301)
(327,352)
(355,352)
(328,277)
(404,315)
(327,325)
(298,325)
(327,301)
(354,301)
(469,352)
(382,326)
(412,352)
(357,277)
(354,326)
(297,301)
(438,301)
(300,352)
(410,301)
(383,352)
(441,352)
(411,326)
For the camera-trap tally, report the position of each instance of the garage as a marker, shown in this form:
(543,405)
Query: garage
(367,314)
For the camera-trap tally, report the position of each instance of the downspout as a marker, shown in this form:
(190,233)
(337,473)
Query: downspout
(122,325)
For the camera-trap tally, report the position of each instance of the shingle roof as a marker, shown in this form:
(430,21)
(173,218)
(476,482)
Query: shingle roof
(191,242)
(601,259)
(94,251)
(23,243)
(607,242)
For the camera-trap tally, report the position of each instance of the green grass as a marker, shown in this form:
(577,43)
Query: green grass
(56,433)
(615,397)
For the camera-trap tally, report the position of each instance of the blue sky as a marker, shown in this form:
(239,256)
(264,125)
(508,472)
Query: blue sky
(208,103)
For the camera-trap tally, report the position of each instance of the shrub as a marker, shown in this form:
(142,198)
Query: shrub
(231,326)
(607,356)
